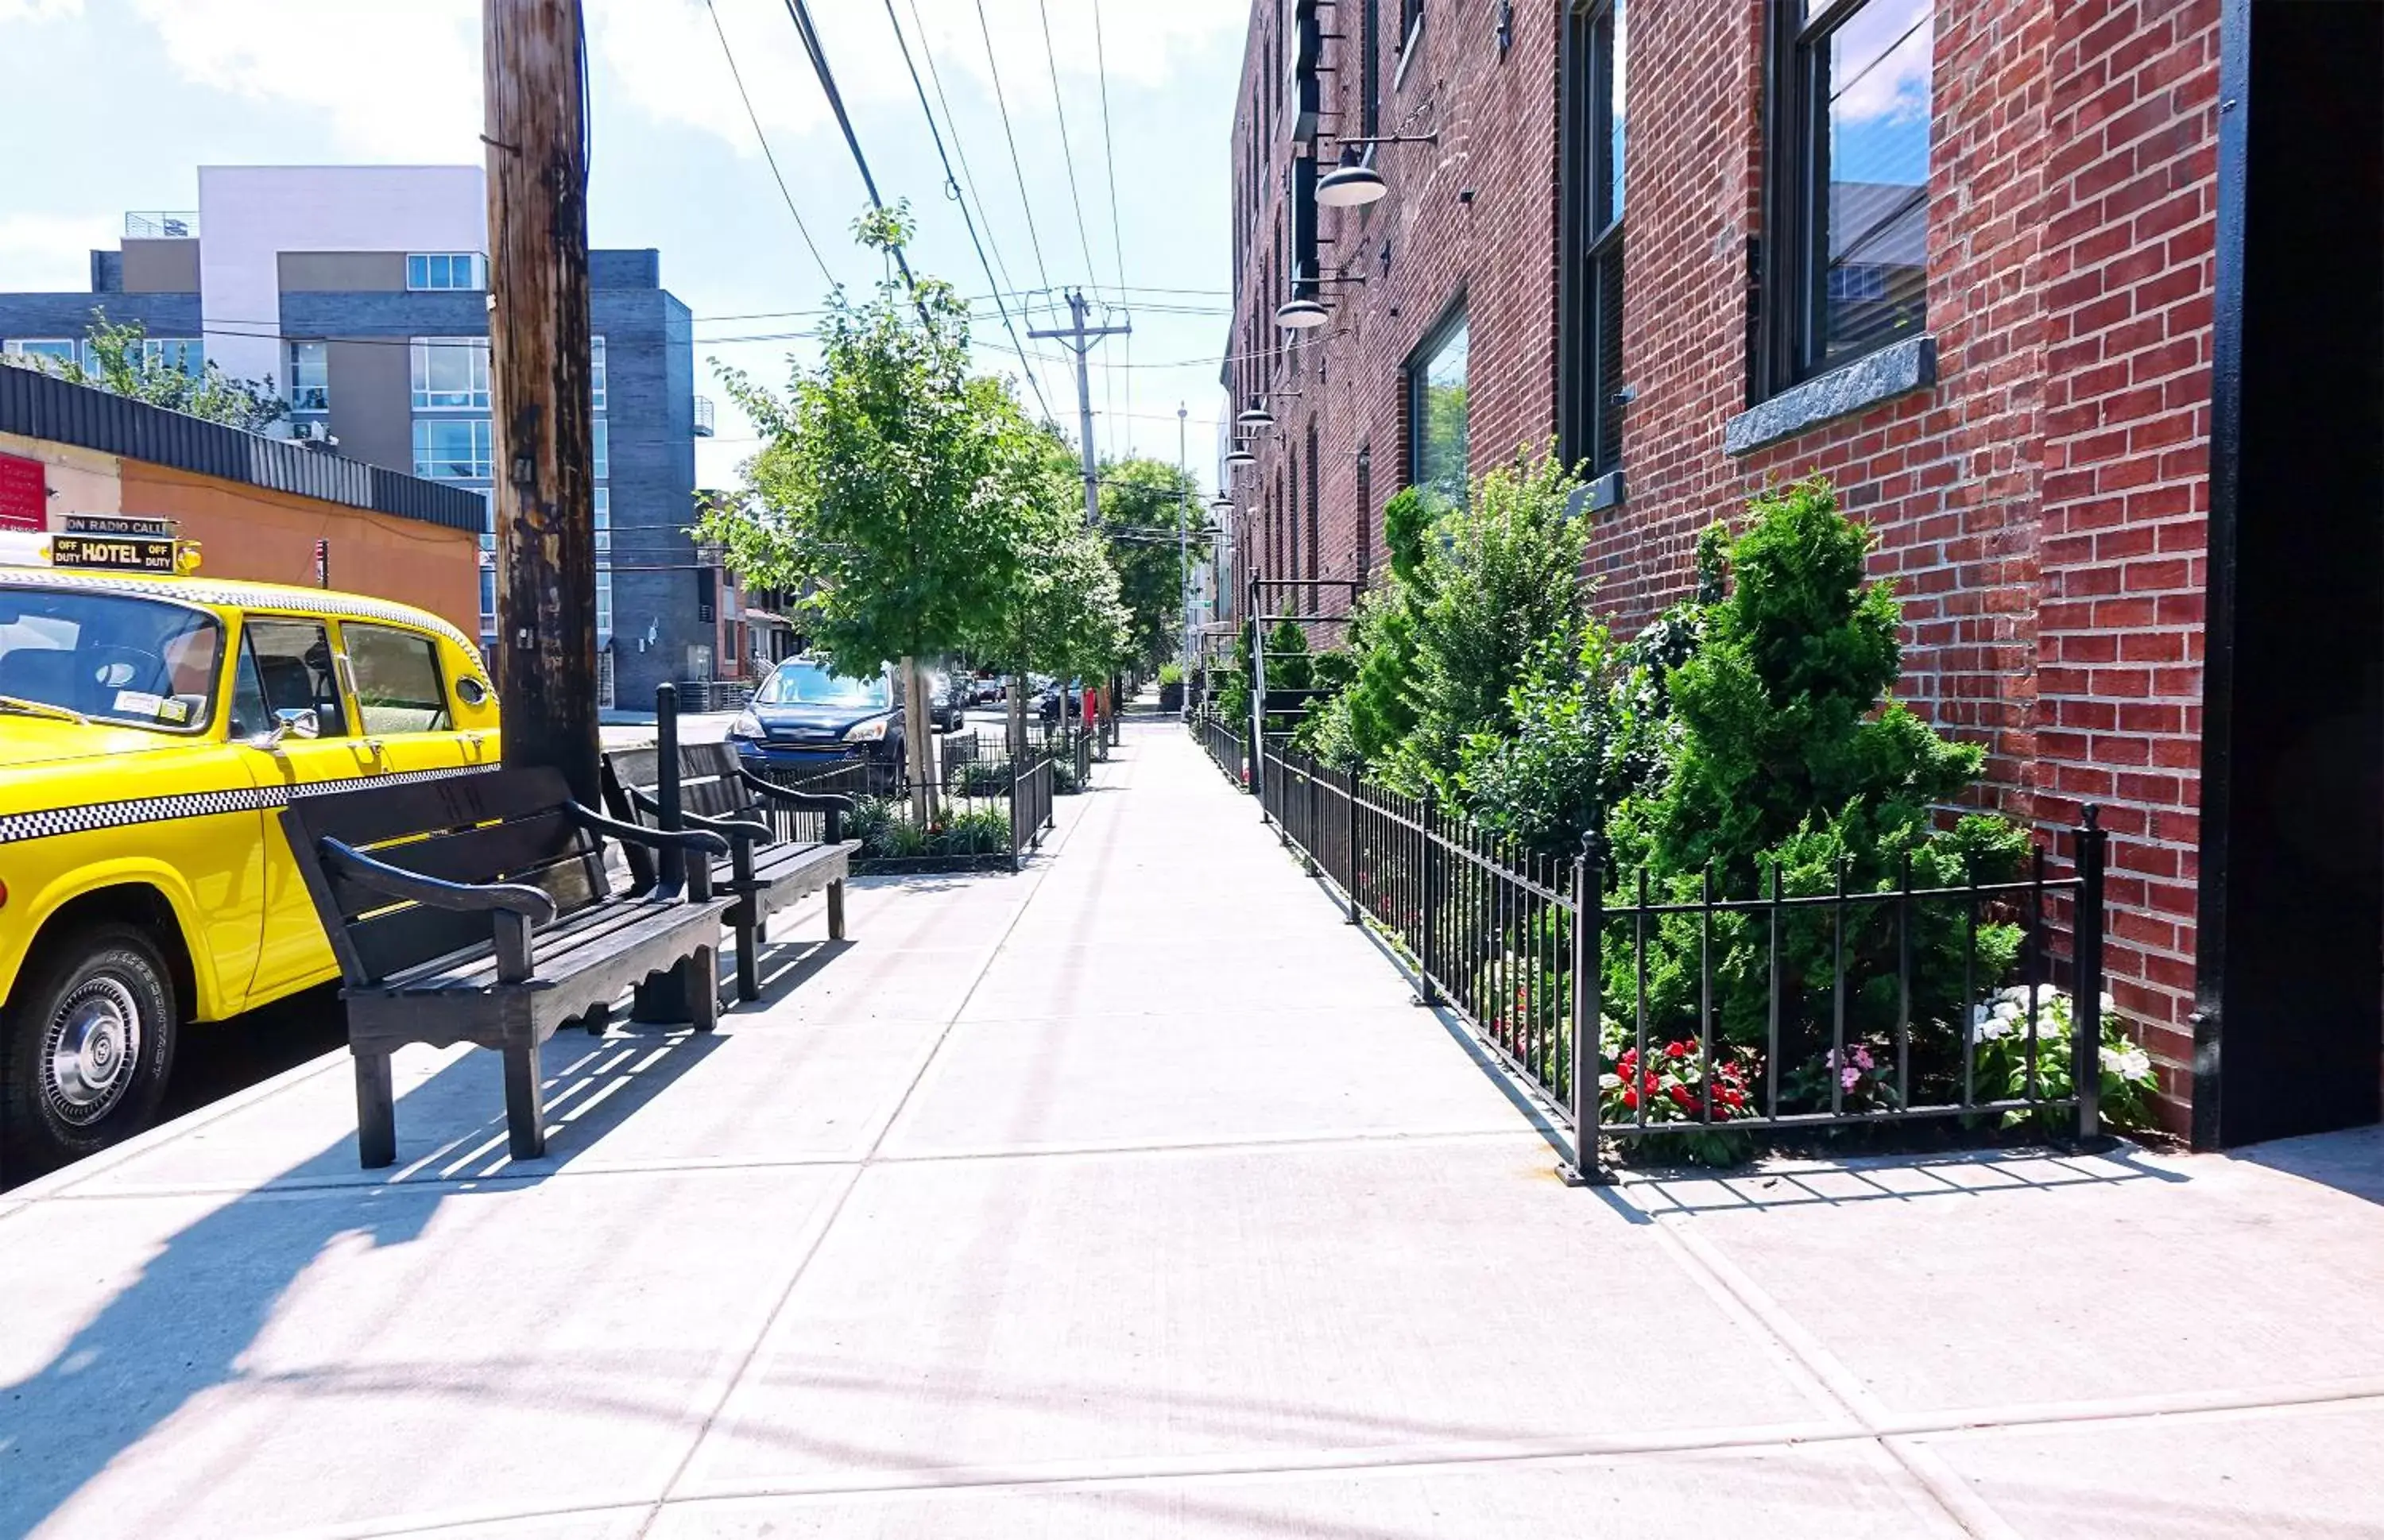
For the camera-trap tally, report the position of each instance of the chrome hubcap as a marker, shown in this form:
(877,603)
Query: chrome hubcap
(94,1046)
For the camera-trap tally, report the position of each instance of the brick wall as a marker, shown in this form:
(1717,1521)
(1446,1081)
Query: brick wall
(1470,218)
(2040,507)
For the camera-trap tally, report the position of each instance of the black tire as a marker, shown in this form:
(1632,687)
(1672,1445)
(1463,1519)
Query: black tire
(108,985)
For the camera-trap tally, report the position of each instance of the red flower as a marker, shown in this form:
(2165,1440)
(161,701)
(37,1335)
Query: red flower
(1681,1095)
(1676,1050)
(1630,1097)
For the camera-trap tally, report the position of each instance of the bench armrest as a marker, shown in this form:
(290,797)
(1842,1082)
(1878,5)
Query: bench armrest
(531,904)
(751,829)
(691,840)
(734,828)
(815,802)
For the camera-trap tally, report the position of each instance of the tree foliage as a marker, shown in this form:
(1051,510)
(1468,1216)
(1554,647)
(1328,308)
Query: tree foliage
(121,363)
(894,489)
(1498,584)
(1150,513)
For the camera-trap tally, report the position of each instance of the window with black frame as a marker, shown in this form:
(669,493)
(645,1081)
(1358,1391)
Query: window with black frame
(1594,98)
(1847,271)
(1436,412)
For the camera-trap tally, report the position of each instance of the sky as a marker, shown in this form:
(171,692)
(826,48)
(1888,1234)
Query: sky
(114,104)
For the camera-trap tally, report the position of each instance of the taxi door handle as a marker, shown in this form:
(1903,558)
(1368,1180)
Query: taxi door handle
(372,746)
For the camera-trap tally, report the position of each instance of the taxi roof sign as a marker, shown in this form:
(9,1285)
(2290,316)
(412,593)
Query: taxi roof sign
(119,525)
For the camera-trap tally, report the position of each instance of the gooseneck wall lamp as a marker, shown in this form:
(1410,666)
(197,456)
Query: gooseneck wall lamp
(1353,183)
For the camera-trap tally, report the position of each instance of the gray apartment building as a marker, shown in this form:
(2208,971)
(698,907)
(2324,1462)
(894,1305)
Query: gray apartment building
(362,292)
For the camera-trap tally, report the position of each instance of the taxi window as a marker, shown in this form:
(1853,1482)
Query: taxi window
(396,675)
(112,656)
(293,665)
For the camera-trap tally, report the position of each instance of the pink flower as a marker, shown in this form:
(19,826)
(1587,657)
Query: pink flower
(1848,1075)
(1862,1058)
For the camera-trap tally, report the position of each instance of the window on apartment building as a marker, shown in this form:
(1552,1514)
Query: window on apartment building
(1315,520)
(1291,568)
(1410,21)
(184,354)
(1591,343)
(446,270)
(56,350)
(310,376)
(1847,242)
(1436,419)
(451,373)
(1370,68)
(603,521)
(453,449)
(1365,516)
(487,600)
(605,600)
(596,372)
(603,447)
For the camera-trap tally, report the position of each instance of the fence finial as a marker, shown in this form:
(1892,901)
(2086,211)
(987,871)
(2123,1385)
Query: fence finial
(2091,815)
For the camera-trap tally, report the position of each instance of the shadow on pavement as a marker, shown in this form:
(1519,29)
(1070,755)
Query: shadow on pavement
(183,1325)
(2350,1161)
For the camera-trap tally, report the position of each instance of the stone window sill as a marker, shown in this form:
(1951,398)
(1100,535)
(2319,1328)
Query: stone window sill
(1894,370)
(1605,491)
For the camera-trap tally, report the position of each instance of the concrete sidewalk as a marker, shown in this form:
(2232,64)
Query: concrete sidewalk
(1130,1197)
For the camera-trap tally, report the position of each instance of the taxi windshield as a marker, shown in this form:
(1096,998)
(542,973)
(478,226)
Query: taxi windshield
(109,657)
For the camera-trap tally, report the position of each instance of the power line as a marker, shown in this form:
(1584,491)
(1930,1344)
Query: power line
(1067,150)
(799,13)
(1117,233)
(1042,274)
(736,75)
(961,198)
(1075,197)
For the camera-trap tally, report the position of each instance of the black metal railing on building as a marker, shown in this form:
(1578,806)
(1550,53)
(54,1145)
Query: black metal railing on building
(1770,1015)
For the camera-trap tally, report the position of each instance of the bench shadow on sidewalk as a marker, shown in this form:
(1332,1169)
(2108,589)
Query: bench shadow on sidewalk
(183,1326)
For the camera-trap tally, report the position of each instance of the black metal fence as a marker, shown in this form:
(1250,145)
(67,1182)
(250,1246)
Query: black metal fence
(1731,1017)
(1228,748)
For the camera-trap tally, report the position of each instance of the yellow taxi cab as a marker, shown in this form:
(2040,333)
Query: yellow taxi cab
(152,721)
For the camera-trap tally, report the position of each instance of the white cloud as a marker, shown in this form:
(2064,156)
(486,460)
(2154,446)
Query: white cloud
(395,78)
(38,11)
(401,79)
(665,56)
(51,253)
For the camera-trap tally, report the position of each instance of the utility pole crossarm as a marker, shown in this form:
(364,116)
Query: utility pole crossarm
(1081,337)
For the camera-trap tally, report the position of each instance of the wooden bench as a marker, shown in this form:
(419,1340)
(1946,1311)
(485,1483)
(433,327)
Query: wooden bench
(761,874)
(475,910)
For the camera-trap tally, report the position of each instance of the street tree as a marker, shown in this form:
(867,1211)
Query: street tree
(890,486)
(121,363)
(1065,617)
(1150,514)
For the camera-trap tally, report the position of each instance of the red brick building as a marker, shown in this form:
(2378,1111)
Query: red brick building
(1968,259)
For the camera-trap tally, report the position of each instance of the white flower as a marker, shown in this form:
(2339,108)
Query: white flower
(2128,1062)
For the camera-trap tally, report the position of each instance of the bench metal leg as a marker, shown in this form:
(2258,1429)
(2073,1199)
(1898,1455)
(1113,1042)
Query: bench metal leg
(702,981)
(836,910)
(376,1112)
(524,1103)
(745,917)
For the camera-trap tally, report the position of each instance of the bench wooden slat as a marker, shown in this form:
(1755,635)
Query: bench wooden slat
(431,972)
(711,785)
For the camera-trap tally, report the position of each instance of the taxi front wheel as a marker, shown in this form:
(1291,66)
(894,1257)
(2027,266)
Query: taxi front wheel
(90,1042)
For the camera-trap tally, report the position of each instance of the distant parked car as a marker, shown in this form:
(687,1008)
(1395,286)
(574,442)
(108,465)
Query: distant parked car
(948,700)
(806,716)
(988,690)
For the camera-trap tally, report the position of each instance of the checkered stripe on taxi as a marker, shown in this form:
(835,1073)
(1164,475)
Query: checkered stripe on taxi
(83,817)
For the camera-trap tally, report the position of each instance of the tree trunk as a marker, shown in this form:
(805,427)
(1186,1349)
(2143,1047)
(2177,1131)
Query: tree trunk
(918,742)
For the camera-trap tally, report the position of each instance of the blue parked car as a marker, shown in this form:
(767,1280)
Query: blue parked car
(808,718)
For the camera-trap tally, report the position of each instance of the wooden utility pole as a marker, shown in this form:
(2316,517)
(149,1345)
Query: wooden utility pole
(539,370)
